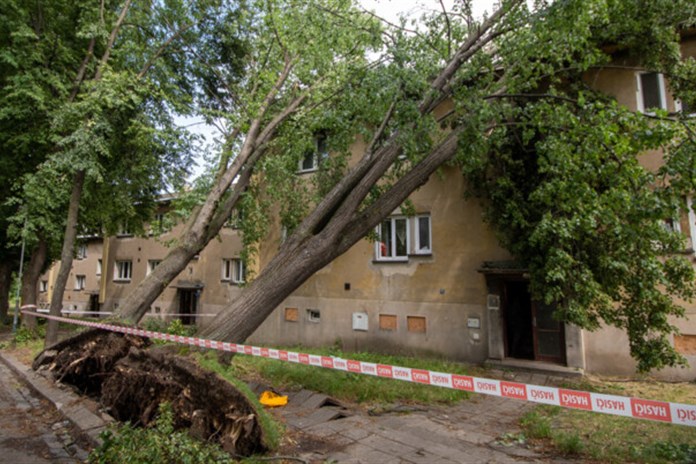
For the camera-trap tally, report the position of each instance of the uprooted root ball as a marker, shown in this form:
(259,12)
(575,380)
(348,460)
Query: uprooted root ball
(131,382)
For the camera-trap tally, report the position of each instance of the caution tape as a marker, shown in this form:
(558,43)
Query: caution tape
(638,408)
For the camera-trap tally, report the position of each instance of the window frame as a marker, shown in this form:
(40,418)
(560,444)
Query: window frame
(99,267)
(317,155)
(232,269)
(81,252)
(80,282)
(416,232)
(640,94)
(119,267)
(152,264)
(43,286)
(393,245)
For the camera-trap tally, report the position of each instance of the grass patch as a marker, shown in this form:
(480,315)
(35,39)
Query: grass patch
(159,444)
(614,439)
(354,387)
(272,429)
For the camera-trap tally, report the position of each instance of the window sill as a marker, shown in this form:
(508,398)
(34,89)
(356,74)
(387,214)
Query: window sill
(390,261)
(122,281)
(307,171)
(421,255)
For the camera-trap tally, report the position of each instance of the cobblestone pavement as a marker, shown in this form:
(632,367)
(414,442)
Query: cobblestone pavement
(472,431)
(31,430)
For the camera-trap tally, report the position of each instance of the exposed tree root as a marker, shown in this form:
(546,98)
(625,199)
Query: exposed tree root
(131,381)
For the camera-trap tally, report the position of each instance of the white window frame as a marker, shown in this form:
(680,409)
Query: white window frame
(238,271)
(80,282)
(379,244)
(418,250)
(43,286)
(81,251)
(317,155)
(124,230)
(99,267)
(640,101)
(226,270)
(123,270)
(152,264)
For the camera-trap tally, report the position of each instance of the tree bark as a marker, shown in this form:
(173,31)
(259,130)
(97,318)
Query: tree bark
(5,287)
(30,280)
(290,268)
(66,257)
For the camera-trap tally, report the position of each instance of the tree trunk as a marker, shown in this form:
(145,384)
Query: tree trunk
(30,280)
(291,267)
(66,257)
(5,287)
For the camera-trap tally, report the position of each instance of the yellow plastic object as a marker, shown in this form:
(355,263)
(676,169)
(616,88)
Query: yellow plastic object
(268,398)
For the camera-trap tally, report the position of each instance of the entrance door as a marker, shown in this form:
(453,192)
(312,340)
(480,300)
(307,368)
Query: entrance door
(530,330)
(94,303)
(549,340)
(187,305)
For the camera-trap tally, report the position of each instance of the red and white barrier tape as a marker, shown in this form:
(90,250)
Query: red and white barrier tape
(662,411)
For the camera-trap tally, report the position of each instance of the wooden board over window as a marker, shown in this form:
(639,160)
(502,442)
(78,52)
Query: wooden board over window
(685,344)
(292,314)
(416,324)
(387,322)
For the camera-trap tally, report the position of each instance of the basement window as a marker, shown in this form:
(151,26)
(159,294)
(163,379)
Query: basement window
(313,315)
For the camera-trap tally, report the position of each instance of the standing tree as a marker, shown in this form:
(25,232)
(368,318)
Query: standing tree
(105,93)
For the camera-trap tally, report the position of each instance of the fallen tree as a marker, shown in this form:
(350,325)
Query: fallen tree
(131,379)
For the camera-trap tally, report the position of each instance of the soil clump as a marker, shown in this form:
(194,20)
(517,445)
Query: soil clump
(130,378)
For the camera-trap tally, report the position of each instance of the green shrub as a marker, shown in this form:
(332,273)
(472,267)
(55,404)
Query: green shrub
(157,445)
(25,335)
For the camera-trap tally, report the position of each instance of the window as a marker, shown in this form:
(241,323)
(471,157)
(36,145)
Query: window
(124,270)
(99,267)
(422,229)
(123,230)
(651,91)
(43,286)
(313,315)
(80,281)
(690,204)
(81,251)
(235,220)
(152,264)
(312,159)
(394,238)
(234,270)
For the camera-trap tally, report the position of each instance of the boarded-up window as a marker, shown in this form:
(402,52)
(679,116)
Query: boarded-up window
(415,324)
(685,344)
(387,322)
(292,314)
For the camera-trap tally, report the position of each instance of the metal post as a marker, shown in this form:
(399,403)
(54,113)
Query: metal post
(21,270)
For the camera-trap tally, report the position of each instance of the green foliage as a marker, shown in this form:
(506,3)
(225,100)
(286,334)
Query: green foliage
(562,183)
(24,335)
(175,327)
(159,444)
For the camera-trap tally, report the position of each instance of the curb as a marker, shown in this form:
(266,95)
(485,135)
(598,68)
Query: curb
(79,411)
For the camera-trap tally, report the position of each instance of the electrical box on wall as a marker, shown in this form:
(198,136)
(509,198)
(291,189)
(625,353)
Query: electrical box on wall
(473,323)
(360,321)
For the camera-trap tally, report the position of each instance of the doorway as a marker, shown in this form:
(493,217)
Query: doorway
(93,305)
(188,306)
(531,332)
